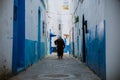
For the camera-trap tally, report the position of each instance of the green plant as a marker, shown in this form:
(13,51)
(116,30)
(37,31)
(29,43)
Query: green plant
(76,19)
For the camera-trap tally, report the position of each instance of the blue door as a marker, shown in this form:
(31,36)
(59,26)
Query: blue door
(18,59)
(39,38)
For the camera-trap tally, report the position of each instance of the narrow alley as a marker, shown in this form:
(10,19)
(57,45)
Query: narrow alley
(35,33)
(52,68)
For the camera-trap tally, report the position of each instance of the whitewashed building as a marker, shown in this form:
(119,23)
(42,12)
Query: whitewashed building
(22,32)
(95,36)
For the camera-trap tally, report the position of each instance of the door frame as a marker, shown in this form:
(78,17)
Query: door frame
(83,40)
(18,57)
(39,33)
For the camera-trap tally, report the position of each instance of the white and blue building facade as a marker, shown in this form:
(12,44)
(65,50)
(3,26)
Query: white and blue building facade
(23,34)
(95,36)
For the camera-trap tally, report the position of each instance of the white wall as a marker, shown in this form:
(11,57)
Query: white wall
(93,13)
(31,19)
(6,33)
(112,17)
(96,11)
(31,29)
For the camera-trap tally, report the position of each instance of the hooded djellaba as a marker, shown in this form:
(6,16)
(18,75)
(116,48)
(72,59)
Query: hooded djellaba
(60,47)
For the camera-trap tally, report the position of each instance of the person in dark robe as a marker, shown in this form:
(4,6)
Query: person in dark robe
(60,47)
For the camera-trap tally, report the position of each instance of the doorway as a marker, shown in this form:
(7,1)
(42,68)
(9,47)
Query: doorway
(83,40)
(18,58)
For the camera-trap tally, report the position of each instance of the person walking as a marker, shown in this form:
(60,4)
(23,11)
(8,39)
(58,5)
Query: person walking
(60,47)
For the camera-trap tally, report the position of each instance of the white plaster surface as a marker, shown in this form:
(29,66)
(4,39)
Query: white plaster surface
(112,17)
(6,34)
(31,19)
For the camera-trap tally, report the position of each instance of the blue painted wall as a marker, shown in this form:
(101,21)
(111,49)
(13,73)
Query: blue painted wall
(30,54)
(43,49)
(96,58)
(66,49)
(26,51)
(33,53)
(35,50)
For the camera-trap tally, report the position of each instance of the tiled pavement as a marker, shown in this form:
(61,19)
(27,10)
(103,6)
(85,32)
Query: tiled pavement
(52,68)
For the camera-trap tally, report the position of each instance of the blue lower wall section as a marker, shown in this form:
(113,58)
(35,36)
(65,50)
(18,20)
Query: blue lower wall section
(43,51)
(30,55)
(95,46)
(95,43)
(33,53)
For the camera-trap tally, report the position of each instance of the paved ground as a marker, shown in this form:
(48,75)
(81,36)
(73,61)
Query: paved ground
(52,68)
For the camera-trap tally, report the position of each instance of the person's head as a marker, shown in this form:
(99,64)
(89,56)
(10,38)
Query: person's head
(59,37)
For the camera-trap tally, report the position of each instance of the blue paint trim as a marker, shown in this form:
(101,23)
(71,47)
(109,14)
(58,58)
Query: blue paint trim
(15,47)
(18,57)
(51,35)
(50,42)
(39,32)
(21,34)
